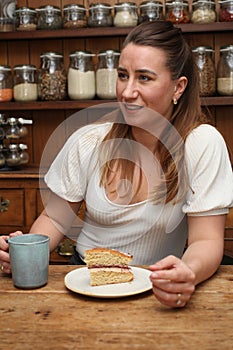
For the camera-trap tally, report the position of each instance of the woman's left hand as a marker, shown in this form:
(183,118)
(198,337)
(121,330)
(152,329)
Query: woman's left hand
(173,281)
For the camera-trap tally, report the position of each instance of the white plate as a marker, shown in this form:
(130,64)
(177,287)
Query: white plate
(78,281)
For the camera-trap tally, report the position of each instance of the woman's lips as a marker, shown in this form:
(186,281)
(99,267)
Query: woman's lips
(132,107)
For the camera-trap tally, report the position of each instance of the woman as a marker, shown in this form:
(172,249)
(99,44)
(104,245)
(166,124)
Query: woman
(156,177)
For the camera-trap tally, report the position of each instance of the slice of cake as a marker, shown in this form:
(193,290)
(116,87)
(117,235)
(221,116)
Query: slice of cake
(108,266)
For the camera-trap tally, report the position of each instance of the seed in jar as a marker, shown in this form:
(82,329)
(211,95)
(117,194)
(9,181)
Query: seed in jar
(203,16)
(52,87)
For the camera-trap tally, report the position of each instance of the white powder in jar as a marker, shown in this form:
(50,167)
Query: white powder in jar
(106,83)
(225,86)
(81,85)
(25,92)
(125,19)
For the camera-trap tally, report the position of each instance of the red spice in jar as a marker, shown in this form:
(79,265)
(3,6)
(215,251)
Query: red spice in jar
(177,12)
(6,95)
(226,11)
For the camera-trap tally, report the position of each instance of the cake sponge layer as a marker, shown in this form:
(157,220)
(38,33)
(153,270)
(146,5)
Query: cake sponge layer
(109,277)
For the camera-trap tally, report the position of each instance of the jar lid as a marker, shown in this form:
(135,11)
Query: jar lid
(226,2)
(74,7)
(22,146)
(226,48)
(208,2)
(49,8)
(126,5)
(81,54)
(25,67)
(51,55)
(109,53)
(177,3)
(202,49)
(100,5)
(151,4)
(13,146)
(25,10)
(6,68)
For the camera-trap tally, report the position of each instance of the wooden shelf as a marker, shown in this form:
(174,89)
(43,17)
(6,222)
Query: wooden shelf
(82,104)
(107,31)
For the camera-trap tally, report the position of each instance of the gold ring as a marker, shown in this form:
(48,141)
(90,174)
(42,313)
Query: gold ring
(179,301)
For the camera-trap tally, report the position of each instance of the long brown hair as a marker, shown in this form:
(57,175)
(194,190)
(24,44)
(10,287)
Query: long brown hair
(186,115)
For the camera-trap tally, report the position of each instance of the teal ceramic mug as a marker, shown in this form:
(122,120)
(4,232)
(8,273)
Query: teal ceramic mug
(29,257)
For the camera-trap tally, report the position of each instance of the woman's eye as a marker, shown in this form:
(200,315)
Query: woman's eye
(144,78)
(122,76)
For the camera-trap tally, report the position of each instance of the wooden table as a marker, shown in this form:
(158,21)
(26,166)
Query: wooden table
(55,318)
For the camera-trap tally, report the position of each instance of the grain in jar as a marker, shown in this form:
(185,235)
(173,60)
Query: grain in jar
(177,11)
(203,12)
(25,84)
(74,16)
(6,84)
(49,17)
(150,11)
(225,71)
(207,74)
(125,14)
(52,77)
(25,19)
(106,74)
(100,15)
(81,76)
(226,11)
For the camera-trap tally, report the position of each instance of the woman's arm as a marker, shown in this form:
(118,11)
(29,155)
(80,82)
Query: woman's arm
(56,219)
(174,279)
(205,245)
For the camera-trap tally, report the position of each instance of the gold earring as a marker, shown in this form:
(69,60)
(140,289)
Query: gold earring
(174,101)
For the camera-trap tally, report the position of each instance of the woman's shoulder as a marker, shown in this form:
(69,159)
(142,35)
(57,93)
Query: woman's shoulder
(205,134)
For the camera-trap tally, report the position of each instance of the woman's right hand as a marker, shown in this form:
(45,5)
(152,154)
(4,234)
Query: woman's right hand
(4,254)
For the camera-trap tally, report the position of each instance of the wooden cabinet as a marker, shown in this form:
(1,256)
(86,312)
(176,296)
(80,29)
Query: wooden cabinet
(22,187)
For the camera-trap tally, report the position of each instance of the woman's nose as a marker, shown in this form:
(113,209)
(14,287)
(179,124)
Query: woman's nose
(130,90)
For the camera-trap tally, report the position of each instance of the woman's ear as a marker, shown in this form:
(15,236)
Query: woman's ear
(180,87)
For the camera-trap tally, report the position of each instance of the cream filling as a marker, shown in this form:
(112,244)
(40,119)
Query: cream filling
(110,269)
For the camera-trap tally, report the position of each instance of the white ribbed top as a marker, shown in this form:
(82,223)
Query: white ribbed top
(149,232)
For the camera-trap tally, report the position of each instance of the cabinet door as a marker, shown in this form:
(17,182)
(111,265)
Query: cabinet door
(14,215)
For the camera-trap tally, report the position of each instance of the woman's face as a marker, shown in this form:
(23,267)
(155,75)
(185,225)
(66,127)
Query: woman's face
(145,81)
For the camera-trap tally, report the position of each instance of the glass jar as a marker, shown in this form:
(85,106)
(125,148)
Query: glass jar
(23,154)
(52,78)
(226,11)
(2,157)
(12,131)
(207,74)
(13,156)
(25,18)
(25,84)
(204,12)
(225,71)
(74,16)
(150,11)
(125,15)
(81,76)
(177,12)
(7,15)
(49,17)
(6,84)
(100,15)
(106,74)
